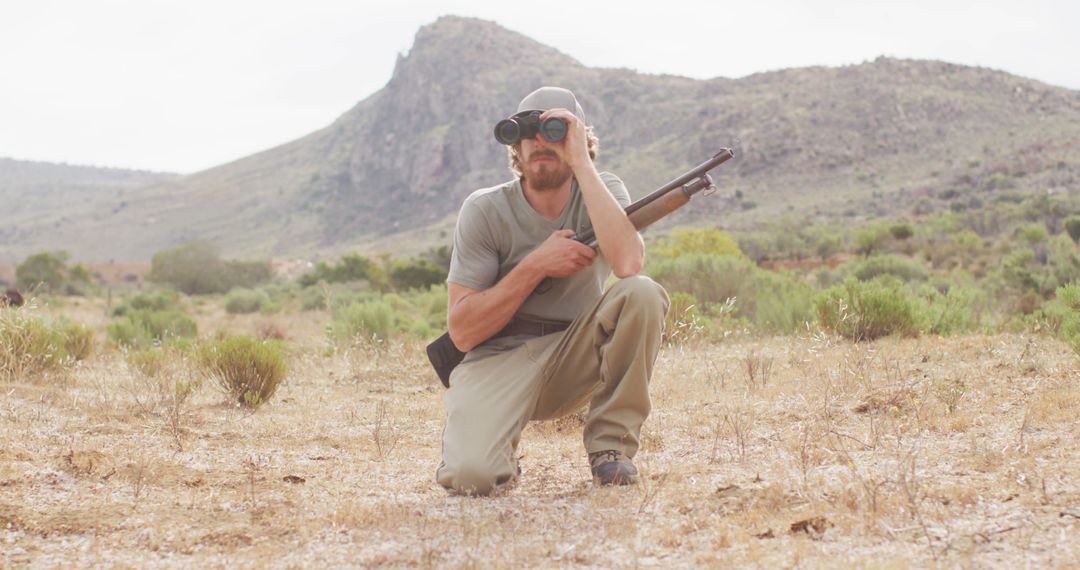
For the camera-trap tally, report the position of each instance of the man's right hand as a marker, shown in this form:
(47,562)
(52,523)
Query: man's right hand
(560,256)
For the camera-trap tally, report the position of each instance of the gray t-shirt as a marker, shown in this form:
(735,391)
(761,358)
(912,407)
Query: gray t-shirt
(497,228)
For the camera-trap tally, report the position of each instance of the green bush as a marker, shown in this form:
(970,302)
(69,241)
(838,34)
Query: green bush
(30,347)
(770,301)
(156,300)
(416,273)
(149,363)
(683,321)
(248,370)
(1066,308)
(710,241)
(1072,227)
(49,271)
(903,268)
(78,340)
(197,269)
(142,328)
(371,318)
(948,313)
(351,267)
(872,238)
(418,313)
(243,301)
(864,311)
(901,231)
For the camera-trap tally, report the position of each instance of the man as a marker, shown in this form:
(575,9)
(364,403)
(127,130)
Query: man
(527,305)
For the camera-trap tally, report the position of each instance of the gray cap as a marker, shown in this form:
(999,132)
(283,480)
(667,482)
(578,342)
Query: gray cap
(546,98)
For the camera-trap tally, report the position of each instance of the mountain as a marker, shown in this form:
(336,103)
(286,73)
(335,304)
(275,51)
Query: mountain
(40,197)
(811,144)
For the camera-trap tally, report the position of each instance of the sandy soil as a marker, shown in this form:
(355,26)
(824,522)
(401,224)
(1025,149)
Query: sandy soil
(803,451)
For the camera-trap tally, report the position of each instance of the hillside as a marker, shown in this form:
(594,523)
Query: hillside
(812,144)
(40,197)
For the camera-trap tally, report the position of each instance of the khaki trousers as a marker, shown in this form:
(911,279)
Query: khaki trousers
(606,355)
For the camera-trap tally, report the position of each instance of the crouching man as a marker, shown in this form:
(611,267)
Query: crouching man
(527,305)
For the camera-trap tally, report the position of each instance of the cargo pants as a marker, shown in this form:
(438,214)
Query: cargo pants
(606,357)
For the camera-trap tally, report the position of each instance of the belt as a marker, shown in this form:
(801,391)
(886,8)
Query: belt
(531,328)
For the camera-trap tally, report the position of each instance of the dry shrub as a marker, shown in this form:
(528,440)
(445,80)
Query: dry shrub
(30,347)
(247,369)
(149,363)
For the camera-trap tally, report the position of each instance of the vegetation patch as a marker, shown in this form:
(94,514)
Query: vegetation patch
(248,370)
(864,311)
(30,347)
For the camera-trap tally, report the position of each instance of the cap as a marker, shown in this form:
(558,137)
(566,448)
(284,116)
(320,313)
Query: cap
(546,98)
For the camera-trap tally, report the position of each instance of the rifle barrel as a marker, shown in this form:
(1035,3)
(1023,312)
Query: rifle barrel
(697,172)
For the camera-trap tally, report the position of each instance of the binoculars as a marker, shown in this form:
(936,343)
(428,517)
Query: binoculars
(526,124)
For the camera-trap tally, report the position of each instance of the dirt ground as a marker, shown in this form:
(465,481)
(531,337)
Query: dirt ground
(776,452)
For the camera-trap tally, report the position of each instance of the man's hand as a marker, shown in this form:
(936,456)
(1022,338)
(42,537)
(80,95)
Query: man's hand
(574,149)
(560,256)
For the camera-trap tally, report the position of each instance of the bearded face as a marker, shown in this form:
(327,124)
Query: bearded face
(542,168)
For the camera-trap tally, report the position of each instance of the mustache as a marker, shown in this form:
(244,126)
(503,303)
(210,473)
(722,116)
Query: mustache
(543,153)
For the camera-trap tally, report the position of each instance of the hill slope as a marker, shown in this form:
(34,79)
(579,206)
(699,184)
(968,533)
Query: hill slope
(811,143)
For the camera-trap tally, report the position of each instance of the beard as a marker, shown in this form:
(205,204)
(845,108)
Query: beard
(542,176)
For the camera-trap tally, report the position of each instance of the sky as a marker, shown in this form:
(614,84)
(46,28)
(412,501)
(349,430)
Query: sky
(182,86)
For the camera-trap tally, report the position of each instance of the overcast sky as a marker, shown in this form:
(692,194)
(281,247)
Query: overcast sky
(186,85)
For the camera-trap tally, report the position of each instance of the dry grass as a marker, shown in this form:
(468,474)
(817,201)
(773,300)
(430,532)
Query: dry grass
(918,452)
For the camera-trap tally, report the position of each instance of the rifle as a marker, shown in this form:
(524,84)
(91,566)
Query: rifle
(442,353)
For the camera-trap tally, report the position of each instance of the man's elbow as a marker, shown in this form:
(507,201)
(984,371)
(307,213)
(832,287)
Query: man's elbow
(462,341)
(627,268)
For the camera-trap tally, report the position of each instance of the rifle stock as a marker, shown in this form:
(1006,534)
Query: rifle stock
(442,353)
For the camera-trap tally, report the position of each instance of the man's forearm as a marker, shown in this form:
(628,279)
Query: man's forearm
(478,316)
(615,234)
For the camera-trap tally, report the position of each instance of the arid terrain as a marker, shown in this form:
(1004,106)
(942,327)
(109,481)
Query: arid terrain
(773,452)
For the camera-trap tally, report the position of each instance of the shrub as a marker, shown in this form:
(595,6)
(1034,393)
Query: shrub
(901,231)
(864,311)
(149,363)
(771,301)
(78,340)
(1067,305)
(872,238)
(711,241)
(156,300)
(1032,233)
(248,370)
(1072,227)
(351,267)
(47,269)
(142,328)
(903,268)
(416,273)
(243,301)
(197,269)
(683,320)
(948,313)
(371,318)
(29,346)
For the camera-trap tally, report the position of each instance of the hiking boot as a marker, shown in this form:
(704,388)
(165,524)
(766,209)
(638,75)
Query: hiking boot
(611,467)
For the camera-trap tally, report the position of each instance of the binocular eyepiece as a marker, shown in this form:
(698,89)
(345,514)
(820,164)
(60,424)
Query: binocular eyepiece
(526,124)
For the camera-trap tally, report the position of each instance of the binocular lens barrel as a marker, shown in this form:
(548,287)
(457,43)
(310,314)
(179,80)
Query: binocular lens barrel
(507,132)
(554,130)
(510,131)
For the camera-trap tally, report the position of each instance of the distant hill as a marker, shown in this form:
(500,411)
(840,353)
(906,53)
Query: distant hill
(812,144)
(40,198)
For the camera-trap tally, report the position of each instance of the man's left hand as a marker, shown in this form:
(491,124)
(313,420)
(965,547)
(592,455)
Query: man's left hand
(574,150)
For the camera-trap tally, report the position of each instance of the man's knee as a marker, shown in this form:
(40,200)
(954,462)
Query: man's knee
(642,293)
(472,476)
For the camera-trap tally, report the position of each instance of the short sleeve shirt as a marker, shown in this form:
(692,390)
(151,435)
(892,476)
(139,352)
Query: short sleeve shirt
(497,228)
